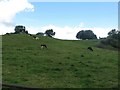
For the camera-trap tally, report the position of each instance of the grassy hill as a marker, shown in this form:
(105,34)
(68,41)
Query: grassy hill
(65,64)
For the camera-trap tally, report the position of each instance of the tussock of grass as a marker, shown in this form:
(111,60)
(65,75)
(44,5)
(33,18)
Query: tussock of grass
(65,64)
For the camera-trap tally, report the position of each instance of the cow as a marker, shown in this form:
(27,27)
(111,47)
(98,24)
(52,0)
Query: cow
(37,38)
(29,34)
(34,37)
(90,48)
(43,46)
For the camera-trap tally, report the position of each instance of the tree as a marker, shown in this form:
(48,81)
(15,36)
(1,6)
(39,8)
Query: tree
(26,32)
(40,33)
(86,34)
(112,39)
(49,32)
(112,32)
(20,29)
(80,35)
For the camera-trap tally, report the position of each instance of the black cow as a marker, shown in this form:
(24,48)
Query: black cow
(29,34)
(90,48)
(43,46)
(34,37)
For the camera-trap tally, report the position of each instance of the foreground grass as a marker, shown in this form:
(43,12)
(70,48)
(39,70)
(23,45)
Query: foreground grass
(65,64)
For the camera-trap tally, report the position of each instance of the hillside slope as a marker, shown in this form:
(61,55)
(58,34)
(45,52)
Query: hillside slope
(65,64)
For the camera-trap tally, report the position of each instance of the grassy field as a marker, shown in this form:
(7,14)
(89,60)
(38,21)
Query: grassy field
(65,64)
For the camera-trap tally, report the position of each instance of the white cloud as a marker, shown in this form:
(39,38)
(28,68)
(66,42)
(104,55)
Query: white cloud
(68,32)
(61,32)
(5,29)
(8,10)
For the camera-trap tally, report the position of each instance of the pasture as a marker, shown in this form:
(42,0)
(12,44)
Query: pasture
(64,64)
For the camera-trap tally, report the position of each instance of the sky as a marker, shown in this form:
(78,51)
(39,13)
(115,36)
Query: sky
(65,18)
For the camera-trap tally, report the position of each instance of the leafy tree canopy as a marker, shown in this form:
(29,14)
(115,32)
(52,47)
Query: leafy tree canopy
(50,32)
(20,29)
(112,39)
(40,33)
(86,34)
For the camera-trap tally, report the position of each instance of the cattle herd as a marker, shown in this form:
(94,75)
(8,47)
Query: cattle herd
(37,38)
(44,45)
(34,37)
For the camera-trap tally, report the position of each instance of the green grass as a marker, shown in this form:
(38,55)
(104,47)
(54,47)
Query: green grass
(59,66)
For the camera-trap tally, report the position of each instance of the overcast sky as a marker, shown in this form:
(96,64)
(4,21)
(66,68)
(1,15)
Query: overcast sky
(65,18)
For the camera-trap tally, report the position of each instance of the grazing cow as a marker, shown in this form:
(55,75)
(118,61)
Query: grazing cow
(34,37)
(43,46)
(90,48)
(29,34)
(37,38)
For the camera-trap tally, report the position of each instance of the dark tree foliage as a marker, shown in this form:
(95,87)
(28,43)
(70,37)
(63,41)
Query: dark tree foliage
(50,32)
(86,34)
(112,39)
(26,32)
(40,33)
(112,32)
(20,29)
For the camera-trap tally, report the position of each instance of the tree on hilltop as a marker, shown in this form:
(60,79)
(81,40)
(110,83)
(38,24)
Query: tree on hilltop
(50,32)
(40,33)
(113,39)
(86,34)
(20,30)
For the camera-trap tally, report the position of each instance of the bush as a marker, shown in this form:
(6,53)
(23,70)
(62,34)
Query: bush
(113,39)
